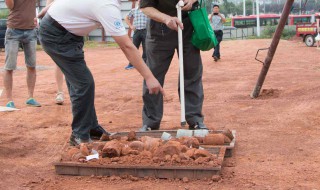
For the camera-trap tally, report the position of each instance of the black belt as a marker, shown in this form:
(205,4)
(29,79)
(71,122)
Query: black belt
(55,23)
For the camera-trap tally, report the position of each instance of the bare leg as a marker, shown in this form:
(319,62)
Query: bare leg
(59,79)
(31,80)
(7,82)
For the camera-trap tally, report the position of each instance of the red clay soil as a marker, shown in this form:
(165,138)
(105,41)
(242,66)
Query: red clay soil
(277,134)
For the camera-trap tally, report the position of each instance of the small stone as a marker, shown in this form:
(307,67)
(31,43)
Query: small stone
(132,136)
(168,158)
(185,180)
(161,163)
(105,137)
(216,178)
(84,149)
(132,178)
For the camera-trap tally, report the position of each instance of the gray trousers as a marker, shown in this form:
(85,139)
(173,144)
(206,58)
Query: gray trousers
(66,50)
(139,37)
(161,43)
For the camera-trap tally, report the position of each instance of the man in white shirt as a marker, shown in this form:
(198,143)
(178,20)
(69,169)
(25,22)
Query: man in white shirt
(61,35)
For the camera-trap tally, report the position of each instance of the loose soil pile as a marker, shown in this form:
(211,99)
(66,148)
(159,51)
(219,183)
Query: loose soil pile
(130,150)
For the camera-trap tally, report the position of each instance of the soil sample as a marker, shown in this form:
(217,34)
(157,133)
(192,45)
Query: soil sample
(112,149)
(137,145)
(228,133)
(190,142)
(126,150)
(132,136)
(150,144)
(105,137)
(84,149)
(214,139)
(201,153)
(170,148)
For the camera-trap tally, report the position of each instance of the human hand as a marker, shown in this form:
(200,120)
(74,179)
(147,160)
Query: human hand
(188,4)
(133,28)
(173,23)
(35,22)
(154,86)
(43,12)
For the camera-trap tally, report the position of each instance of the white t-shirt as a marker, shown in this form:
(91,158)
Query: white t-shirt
(80,17)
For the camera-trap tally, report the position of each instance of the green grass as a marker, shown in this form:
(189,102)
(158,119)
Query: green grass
(91,45)
(94,44)
(4,13)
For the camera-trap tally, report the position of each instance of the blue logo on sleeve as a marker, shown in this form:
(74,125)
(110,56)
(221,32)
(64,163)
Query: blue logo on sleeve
(118,24)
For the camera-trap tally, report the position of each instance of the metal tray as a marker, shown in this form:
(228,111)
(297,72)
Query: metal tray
(191,172)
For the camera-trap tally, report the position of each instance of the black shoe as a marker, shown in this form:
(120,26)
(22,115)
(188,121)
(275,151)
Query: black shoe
(97,132)
(197,126)
(75,141)
(215,58)
(146,128)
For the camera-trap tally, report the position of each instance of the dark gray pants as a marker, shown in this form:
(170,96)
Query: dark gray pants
(219,36)
(139,37)
(66,50)
(161,43)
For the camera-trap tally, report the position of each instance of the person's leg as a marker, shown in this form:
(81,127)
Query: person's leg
(31,80)
(216,52)
(29,46)
(143,36)
(58,44)
(7,83)
(220,40)
(161,43)
(59,80)
(192,78)
(11,52)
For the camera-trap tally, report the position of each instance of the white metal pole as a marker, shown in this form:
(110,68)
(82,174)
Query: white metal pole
(181,71)
(252,7)
(258,18)
(300,12)
(244,7)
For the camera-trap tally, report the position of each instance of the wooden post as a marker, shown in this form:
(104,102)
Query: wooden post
(273,48)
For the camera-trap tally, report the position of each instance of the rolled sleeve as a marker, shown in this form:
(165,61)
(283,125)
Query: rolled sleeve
(148,3)
(130,14)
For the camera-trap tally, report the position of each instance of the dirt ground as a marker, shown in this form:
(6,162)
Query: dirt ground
(277,134)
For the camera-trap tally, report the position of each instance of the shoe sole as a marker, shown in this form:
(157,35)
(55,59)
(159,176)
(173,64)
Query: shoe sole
(33,105)
(60,103)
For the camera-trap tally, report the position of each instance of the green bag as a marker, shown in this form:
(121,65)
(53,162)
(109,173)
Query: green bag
(203,36)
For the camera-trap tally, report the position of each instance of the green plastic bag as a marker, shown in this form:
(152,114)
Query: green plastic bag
(203,36)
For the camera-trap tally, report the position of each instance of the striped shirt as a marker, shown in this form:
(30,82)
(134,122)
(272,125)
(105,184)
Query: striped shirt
(139,19)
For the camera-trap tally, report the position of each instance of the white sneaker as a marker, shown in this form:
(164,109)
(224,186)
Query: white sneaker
(59,98)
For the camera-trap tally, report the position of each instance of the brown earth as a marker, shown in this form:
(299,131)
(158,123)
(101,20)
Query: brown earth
(277,134)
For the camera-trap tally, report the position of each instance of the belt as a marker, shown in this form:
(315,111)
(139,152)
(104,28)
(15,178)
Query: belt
(55,23)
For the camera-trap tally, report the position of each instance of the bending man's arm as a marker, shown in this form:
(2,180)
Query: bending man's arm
(10,4)
(135,59)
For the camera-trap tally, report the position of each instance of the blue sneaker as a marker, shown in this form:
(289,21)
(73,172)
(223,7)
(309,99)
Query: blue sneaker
(33,102)
(10,105)
(129,67)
